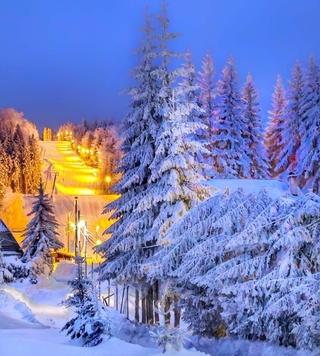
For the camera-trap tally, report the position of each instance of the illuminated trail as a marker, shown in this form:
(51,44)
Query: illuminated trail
(74,177)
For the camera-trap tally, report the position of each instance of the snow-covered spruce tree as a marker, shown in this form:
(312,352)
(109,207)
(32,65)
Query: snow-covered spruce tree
(252,135)
(41,236)
(202,307)
(34,165)
(274,293)
(274,133)
(176,182)
(292,123)
(124,250)
(230,159)
(87,325)
(206,100)
(4,168)
(15,146)
(308,155)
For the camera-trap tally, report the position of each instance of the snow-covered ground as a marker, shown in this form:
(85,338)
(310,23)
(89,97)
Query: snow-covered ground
(31,317)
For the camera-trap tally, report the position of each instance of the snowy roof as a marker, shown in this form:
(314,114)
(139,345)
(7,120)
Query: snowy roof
(8,243)
(3,227)
(274,187)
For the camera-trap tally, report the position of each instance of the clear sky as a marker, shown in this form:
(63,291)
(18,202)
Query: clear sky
(71,59)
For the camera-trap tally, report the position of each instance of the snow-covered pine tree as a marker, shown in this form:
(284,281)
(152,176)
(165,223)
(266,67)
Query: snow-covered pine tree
(176,182)
(41,236)
(292,123)
(229,154)
(87,325)
(253,132)
(225,216)
(206,100)
(34,167)
(273,294)
(308,154)
(15,147)
(274,132)
(4,168)
(124,250)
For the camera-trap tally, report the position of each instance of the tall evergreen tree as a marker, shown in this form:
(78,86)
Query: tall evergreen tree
(253,132)
(206,100)
(4,166)
(274,131)
(230,159)
(41,236)
(124,249)
(176,180)
(309,152)
(292,123)
(34,166)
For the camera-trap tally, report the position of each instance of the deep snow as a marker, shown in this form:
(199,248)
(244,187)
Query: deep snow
(31,317)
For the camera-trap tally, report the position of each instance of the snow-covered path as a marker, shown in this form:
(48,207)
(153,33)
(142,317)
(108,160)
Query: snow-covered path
(31,317)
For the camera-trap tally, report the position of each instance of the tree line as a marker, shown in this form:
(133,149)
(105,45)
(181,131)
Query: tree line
(20,158)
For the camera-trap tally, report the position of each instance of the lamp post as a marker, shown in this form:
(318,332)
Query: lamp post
(76,226)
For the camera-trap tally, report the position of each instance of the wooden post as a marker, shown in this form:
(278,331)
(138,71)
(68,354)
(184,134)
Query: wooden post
(156,302)
(136,309)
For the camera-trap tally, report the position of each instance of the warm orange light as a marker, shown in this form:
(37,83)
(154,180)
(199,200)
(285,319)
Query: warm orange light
(107,179)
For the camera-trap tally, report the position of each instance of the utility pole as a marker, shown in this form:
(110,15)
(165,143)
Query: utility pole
(68,233)
(76,226)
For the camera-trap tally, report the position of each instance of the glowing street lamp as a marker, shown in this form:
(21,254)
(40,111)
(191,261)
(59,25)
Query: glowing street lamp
(108,179)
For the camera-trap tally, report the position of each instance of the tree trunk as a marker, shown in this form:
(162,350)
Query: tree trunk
(167,303)
(150,306)
(156,302)
(143,309)
(136,309)
(127,311)
(116,297)
(177,311)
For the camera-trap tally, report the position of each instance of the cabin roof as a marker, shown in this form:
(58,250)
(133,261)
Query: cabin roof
(8,244)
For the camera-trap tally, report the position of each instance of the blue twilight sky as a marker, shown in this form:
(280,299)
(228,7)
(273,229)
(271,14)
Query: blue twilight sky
(71,59)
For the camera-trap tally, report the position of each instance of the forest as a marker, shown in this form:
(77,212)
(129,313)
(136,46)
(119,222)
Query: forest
(215,231)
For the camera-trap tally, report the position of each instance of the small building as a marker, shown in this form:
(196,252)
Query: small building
(8,244)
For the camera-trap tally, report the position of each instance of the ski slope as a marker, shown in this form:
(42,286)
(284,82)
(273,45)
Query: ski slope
(73,178)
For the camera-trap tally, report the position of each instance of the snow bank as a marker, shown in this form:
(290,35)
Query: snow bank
(14,312)
(274,187)
(233,347)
